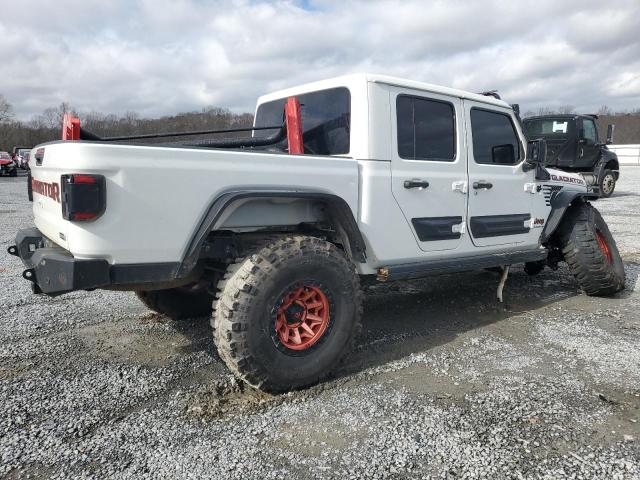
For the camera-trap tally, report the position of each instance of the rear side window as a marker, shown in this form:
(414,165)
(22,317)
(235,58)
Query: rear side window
(326,120)
(494,138)
(426,129)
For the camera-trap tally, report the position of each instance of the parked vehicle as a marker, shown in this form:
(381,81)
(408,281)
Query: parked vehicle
(7,165)
(574,146)
(25,160)
(357,176)
(18,154)
(24,157)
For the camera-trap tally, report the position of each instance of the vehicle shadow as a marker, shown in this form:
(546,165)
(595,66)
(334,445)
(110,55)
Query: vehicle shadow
(406,317)
(415,316)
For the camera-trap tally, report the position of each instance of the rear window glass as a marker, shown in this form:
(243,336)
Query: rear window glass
(326,120)
(557,127)
(426,129)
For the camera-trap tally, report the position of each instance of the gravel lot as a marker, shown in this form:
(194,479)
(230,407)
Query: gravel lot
(444,382)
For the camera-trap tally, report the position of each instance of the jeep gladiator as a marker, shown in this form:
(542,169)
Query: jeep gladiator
(356,177)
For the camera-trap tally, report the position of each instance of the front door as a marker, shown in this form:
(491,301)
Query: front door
(429,166)
(500,197)
(588,149)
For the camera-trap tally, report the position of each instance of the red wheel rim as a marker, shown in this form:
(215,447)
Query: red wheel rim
(603,246)
(302,318)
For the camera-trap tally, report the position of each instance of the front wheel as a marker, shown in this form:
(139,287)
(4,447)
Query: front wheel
(591,252)
(607,183)
(287,314)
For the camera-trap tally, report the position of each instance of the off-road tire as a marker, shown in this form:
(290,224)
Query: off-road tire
(607,183)
(245,313)
(581,231)
(178,303)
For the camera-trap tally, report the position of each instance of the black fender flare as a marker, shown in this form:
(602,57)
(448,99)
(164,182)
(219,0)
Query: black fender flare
(338,209)
(607,157)
(560,203)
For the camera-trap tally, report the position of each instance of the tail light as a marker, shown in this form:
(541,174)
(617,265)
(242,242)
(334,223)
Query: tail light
(84,197)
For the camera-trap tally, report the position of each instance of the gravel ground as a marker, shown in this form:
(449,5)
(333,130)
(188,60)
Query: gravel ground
(444,382)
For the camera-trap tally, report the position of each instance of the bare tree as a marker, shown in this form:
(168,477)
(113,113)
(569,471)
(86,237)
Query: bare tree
(545,111)
(6,111)
(566,109)
(605,110)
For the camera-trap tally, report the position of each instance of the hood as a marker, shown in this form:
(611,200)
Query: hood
(4,161)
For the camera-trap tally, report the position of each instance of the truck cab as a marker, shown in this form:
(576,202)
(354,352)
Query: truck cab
(575,145)
(442,172)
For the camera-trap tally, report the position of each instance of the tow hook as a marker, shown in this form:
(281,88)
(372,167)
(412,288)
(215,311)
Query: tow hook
(13,250)
(29,274)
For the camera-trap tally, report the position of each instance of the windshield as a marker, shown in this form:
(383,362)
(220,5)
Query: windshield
(326,119)
(554,127)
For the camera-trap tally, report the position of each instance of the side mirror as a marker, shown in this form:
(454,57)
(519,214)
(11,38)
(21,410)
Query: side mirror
(537,151)
(610,129)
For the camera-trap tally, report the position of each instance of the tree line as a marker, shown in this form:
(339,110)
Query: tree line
(47,125)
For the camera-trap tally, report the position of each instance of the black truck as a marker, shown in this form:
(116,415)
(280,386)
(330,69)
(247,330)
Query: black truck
(573,145)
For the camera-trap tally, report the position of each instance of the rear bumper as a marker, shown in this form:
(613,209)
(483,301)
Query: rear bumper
(53,270)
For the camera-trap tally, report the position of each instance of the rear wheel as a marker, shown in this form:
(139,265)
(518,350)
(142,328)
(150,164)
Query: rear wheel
(591,252)
(607,183)
(190,301)
(287,314)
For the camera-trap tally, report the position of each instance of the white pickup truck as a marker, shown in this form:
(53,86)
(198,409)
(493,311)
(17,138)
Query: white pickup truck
(361,175)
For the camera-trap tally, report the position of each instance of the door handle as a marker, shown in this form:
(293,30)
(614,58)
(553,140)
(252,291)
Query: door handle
(482,184)
(416,184)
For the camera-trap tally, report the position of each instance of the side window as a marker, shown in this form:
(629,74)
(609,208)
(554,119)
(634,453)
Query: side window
(589,130)
(326,120)
(495,141)
(426,129)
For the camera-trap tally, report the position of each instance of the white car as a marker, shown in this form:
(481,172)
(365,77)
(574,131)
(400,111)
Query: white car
(378,176)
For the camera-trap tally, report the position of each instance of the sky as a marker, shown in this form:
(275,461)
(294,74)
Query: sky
(159,57)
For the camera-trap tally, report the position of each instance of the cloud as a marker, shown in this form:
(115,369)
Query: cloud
(159,56)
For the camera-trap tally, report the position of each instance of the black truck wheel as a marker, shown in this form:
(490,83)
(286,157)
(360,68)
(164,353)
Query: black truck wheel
(607,183)
(179,303)
(591,252)
(287,314)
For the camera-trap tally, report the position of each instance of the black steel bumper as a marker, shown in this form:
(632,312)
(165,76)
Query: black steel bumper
(53,270)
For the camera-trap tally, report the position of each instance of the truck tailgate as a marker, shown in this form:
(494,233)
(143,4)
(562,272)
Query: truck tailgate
(47,201)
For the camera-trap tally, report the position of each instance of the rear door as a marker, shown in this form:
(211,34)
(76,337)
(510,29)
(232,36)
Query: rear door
(429,166)
(500,199)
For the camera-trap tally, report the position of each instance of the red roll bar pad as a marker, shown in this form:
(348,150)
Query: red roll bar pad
(293,120)
(70,127)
